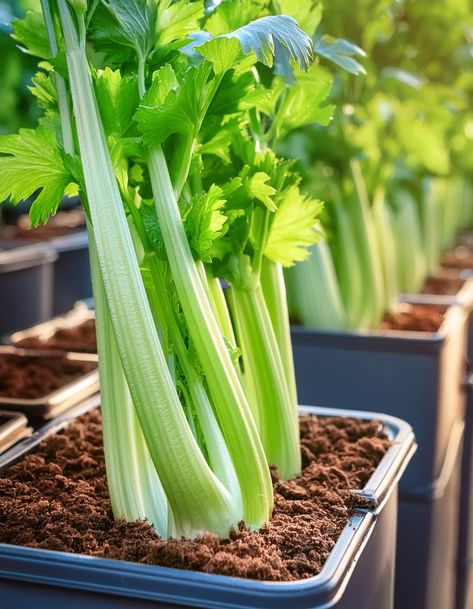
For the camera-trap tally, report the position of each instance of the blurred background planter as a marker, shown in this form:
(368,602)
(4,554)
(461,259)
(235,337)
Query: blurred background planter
(359,571)
(43,384)
(417,376)
(26,283)
(74,331)
(464,584)
(67,235)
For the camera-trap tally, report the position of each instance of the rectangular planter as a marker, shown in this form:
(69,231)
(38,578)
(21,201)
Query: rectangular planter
(26,284)
(358,573)
(40,333)
(57,402)
(416,376)
(464,587)
(426,565)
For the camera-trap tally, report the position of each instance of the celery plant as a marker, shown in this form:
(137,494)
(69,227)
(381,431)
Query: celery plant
(152,123)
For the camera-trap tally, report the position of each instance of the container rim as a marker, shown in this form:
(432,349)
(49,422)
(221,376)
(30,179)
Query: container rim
(61,399)
(46,329)
(205,589)
(391,340)
(17,255)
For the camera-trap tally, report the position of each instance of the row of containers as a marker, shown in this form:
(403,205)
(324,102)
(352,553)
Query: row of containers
(424,378)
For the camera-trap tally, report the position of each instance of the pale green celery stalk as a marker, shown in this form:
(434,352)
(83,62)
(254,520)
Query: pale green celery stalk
(219,456)
(278,416)
(430,225)
(368,247)
(62,98)
(410,255)
(313,291)
(346,258)
(249,382)
(228,397)
(134,486)
(274,290)
(220,308)
(387,248)
(197,499)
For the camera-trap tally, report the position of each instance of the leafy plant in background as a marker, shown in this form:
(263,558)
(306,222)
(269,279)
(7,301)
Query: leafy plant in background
(394,184)
(165,117)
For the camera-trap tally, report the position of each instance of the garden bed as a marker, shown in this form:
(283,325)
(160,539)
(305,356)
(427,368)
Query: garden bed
(57,498)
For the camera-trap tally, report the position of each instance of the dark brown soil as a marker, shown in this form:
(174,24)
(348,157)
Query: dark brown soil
(414,318)
(57,498)
(459,258)
(445,282)
(80,338)
(30,377)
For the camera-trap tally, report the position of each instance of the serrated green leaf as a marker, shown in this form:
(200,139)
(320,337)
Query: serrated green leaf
(223,53)
(164,81)
(305,103)
(136,21)
(180,112)
(30,33)
(177,20)
(294,228)
(31,160)
(218,146)
(259,37)
(44,89)
(258,188)
(204,222)
(118,99)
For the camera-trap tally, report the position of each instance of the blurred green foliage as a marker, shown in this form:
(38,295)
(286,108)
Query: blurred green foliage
(18,108)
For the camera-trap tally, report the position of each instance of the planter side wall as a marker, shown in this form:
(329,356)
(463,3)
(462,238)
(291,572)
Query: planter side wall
(426,565)
(414,386)
(72,280)
(26,297)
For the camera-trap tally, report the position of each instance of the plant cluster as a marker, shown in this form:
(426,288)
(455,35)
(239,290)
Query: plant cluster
(165,117)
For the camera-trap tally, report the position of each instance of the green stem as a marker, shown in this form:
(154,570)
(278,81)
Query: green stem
(62,97)
(228,397)
(279,422)
(135,489)
(274,290)
(198,500)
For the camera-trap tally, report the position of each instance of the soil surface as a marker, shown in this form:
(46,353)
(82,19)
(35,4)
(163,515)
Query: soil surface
(459,258)
(30,377)
(80,338)
(445,282)
(414,318)
(57,498)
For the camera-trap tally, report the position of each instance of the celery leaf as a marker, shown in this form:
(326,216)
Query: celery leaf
(294,228)
(260,36)
(176,20)
(204,222)
(30,33)
(29,161)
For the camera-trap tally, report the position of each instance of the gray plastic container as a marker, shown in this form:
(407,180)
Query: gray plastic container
(358,573)
(72,280)
(464,585)
(416,376)
(426,566)
(26,283)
